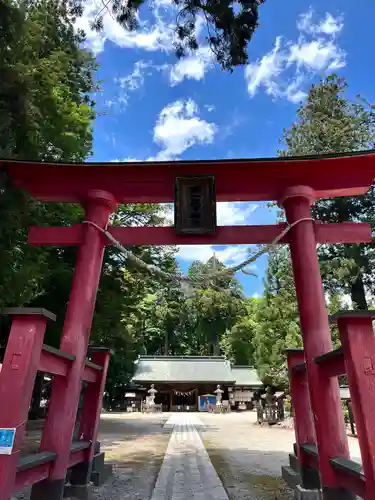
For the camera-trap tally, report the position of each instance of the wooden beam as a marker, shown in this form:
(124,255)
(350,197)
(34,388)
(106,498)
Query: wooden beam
(236,180)
(54,361)
(349,232)
(332,363)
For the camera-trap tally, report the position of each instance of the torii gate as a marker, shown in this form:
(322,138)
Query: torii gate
(295,183)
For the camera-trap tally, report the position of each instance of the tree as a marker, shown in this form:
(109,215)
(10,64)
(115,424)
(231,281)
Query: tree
(217,304)
(328,122)
(237,342)
(45,114)
(229,26)
(276,325)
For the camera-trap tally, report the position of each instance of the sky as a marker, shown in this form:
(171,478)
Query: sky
(153,106)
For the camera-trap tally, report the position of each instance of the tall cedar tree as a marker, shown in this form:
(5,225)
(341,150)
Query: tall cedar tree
(328,122)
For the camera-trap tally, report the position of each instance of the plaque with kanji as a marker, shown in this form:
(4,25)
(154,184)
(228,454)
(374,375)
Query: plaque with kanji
(195,205)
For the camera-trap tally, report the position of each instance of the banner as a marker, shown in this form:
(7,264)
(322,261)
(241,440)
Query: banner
(183,393)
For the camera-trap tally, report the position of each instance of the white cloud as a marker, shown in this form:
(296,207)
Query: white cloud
(265,71)
(154,36)
(134,81)
(193,67)
(234,214)
(317,55)
(228,213)
(230,255)
(284,71)
(179,127)
(330,25)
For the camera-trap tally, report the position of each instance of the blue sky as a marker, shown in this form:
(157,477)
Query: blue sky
(154,107)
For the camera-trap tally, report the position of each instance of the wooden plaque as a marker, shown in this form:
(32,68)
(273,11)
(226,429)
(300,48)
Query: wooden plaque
(195,205)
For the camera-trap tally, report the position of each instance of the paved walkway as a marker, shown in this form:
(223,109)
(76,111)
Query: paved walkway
(187,472)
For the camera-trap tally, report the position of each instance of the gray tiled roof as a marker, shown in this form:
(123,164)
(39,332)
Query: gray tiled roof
(186,369)
(246,376)
(183,369)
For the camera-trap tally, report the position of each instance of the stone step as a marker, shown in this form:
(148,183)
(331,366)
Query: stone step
(293,462)
(290,476)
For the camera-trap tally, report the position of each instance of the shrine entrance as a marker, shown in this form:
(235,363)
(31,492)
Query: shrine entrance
(322,454)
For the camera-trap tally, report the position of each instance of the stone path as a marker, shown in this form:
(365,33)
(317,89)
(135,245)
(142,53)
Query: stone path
(187,472)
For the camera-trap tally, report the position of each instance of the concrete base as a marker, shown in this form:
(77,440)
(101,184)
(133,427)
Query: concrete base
(51,490)
(337,494)
(80,474)
(290,476)
(100,477)
(81,492)
(302,494)
(310,478)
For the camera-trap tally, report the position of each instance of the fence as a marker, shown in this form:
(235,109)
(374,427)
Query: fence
(356,359)
(26,354)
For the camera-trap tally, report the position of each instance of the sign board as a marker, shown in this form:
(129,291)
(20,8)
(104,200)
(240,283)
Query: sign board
(205,401)
(6,441)
(195,205)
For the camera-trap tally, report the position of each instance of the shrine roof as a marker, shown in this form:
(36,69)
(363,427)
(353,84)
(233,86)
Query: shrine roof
(183,369)
(246,376)
(193,369)
(236,180)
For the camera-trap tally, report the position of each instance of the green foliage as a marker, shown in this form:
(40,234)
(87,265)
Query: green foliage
(45,109)
(45,114)
(237,342)
(276,325)
(328,122)
(229,25)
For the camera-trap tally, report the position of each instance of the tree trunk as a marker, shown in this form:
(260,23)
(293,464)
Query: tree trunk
(166,343)
(358,294)
(216,348)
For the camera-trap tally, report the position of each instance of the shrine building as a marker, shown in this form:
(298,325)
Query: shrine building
(187,383)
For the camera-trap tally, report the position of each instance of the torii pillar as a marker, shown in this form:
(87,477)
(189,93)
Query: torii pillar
(62,412)
(324,393)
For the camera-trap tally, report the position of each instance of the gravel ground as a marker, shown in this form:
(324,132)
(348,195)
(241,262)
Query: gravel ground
(135,444)
(247,458)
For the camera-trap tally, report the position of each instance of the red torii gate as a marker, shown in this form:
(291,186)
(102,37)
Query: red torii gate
(295,183)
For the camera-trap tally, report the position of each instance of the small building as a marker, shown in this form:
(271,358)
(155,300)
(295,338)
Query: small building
(246,388)
(187,383)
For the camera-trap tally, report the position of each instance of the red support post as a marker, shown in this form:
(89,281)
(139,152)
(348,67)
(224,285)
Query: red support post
(324,392)
(59,426)
(17,380)
(358,342)
(302,415)
(90,418)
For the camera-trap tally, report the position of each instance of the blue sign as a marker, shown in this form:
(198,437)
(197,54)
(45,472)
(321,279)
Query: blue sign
(6,441)
(205,401)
